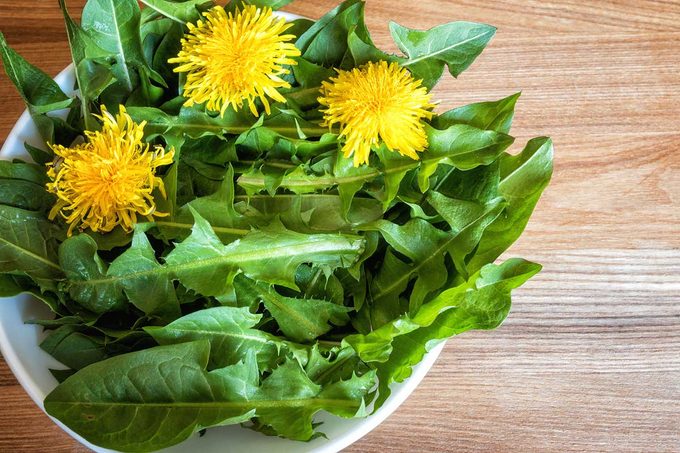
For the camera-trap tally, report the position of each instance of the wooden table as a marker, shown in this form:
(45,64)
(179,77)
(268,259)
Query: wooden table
(589,359)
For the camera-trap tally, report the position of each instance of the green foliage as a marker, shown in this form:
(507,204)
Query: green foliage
(283,280)
(298,318)
(155,398)
(232,334)
(455,45)
(181,11)
(40,93)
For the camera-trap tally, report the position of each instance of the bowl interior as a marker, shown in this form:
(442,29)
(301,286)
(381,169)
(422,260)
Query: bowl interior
(30,364)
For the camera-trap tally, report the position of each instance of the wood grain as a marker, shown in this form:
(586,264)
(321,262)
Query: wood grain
(589,359)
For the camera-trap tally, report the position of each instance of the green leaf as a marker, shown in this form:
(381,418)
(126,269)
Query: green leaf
(114,26)
(468,221)
(523,179)
(313,213)
(427,256)
(273,4)
(82,265)
(325,42)
(11,285)
(273,254)
(455,45)
(363,52)
(289,383)
(40,93)
(301,320)
(191,121)
(469,299)
(137,401)
(92,68)
(73,348)
(495,116)
(309,75)
(203,264)
(461,146)
(40,156)
(217,209)
(22,185)
(158,397)
(482,303)
(154,296)
(181,11)
(28,245)
(232,336)
(336,364)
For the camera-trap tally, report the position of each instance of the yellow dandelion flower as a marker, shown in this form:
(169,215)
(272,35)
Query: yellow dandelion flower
(109,179)
(378,101)
(235,58)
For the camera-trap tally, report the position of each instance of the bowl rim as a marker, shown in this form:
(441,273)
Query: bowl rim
(400,391)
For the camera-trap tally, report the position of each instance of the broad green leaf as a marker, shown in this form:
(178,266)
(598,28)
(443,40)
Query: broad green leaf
(22,185)
(40,93)
(17,170)
(468,221)
(523,179)
(153,295)
(315,212)
(11,285)
(232,335)
(482,303)
(25,195)
(273,4)
(155,398)
(73,348)
(338,363)
(455,45)
(495,116)
(28,245)
(203,264)
(180,11)
(92,68)
(217,209)
(363,52)
(469,299)
(191,121)
(290,383)
(114,26)
(83,267)
(38,155)
(427,256)
(142,401)
(325,42)
(461,146)
(479,185)
(273,254)
(309,75)
(300,319)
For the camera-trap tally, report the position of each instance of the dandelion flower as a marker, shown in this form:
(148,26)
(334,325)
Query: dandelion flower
(235,58)
(109,179)
(378,101)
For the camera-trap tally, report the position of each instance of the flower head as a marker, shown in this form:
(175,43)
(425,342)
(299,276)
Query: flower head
(109,179)
(374,102)
(235,58)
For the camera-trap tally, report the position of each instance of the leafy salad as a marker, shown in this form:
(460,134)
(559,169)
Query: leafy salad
(240,219)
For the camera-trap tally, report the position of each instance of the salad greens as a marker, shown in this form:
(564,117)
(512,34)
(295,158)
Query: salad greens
(285,280)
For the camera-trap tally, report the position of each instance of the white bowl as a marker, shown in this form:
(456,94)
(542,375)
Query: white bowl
(30,364)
